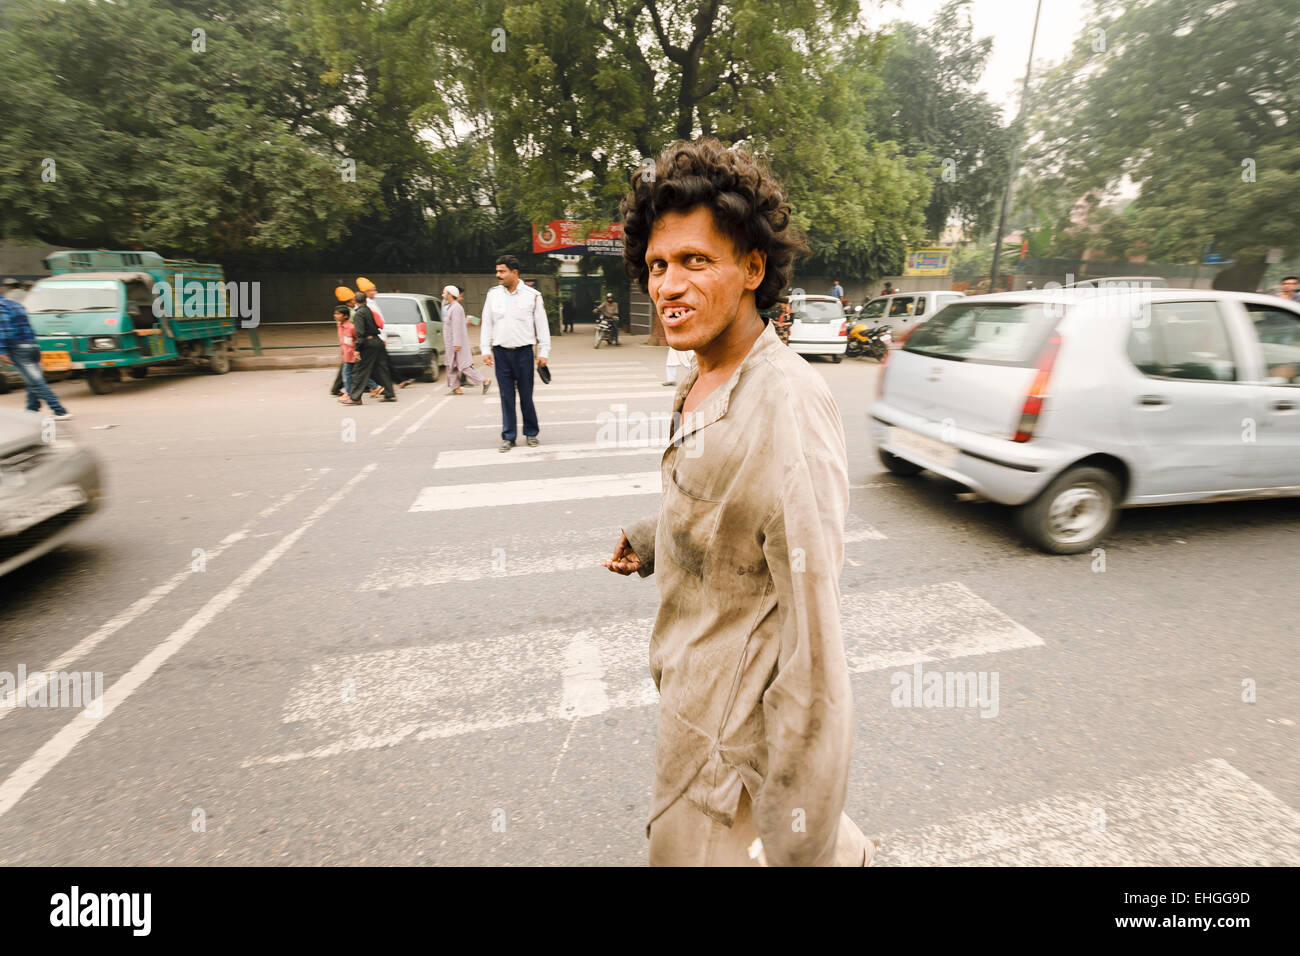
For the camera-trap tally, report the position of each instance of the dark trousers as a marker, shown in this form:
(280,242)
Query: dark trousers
(370,364)
(515,370)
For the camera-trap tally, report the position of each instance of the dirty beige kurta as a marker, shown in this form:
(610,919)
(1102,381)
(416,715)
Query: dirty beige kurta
(746,652)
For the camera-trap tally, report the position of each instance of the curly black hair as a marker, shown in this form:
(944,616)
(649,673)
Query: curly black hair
(747,200)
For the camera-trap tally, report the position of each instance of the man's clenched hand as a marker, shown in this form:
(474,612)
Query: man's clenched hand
(624,560)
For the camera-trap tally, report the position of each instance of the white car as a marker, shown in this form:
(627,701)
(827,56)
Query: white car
(904,311)
(1070,404)
(818,326)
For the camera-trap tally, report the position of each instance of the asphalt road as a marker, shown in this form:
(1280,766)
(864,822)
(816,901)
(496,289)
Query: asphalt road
(357,635)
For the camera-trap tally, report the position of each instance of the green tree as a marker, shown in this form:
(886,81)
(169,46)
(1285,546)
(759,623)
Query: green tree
(928,101)
(126,127)
(1197,105)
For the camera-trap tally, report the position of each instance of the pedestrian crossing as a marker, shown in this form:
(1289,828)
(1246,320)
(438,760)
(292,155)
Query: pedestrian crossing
(594,667)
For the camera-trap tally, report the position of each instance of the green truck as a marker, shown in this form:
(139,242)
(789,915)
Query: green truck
(100,313)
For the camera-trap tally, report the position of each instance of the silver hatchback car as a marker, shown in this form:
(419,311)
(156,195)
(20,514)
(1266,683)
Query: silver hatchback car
(1071,404)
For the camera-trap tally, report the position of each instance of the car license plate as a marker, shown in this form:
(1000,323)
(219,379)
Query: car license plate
(56,361)
(925,448)
(18,516)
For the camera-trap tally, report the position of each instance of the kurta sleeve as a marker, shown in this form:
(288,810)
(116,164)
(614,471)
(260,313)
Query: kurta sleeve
(808,707)
(641,536)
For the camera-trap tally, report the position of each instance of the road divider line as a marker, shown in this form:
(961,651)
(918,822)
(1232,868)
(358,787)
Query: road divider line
(39,679)
(32,770)
(392,421)
(419,423)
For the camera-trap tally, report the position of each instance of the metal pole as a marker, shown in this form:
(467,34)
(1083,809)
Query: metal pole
(1015,152)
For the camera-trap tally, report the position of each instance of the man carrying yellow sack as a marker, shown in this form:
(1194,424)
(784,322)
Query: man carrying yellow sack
(755,708)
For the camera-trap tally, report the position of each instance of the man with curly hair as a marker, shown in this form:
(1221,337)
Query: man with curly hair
(756,712)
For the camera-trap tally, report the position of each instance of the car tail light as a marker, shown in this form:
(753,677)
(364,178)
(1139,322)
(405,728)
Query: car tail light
(844,328)
(421,330)
(1037,391)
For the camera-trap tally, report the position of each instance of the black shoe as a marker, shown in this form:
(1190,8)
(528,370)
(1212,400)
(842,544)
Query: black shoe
(506,446)
(486,385)
(532,441)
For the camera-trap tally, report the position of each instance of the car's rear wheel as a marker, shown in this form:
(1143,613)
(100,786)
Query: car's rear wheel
(899,466)
(837,359)
(1073,513)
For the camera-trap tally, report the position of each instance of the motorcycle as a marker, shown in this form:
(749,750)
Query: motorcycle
(605,331)
(868,339)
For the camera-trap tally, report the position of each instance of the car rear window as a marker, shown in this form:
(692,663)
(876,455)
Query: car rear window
(400,311)
(816,310)
(1001,333)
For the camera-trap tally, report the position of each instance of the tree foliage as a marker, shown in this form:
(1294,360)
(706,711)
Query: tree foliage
(1197,104)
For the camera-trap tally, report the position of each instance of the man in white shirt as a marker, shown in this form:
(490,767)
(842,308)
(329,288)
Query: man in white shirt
(514,320)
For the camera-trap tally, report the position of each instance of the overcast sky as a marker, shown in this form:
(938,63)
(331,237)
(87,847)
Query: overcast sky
(1010,23)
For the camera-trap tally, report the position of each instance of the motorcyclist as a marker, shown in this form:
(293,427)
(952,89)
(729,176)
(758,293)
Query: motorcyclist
(609,309)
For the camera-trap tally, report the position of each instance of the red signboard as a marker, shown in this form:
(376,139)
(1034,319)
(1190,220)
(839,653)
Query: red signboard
(572,238)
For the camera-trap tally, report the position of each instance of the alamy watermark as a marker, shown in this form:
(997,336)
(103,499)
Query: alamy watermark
(920,688)
(199,298)
(79,689)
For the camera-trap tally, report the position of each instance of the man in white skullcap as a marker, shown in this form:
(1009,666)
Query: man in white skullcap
(455,334)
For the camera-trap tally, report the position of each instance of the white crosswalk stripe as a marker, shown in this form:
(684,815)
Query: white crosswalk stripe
(522,555)
(535,491)
(612,395)
(378,699)
(1206,814)
(523,455)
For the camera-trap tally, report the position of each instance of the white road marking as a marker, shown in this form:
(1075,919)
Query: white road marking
(478,457)
(487,494)
(410,407)
(445,690)
(588,384)
(35,767)
(656,418)
(522,555)
(1206,814)
(145,603)
(419,423)
(607,396)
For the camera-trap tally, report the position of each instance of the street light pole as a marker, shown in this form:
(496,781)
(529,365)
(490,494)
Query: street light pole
(1018,128)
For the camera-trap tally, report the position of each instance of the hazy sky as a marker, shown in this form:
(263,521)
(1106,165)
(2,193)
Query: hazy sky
(1010,23)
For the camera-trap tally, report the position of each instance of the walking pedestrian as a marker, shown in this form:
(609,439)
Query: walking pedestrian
(756,712)
(15,290)
(347,344)
(455,334)
(514,320)
(370,355)
(837,290)
(368,287)
(678,366)
(566,315)
(18,347)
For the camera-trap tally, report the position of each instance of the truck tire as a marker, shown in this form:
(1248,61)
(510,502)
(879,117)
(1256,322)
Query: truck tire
(103,380)
(1073,513)
(219,360)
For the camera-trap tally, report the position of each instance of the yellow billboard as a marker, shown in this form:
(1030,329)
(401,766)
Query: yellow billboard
(927,262)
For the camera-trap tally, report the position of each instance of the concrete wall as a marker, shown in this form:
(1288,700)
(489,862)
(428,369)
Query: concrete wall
(309,297)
